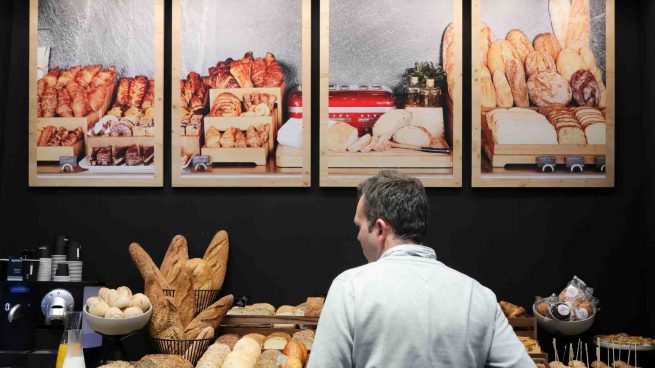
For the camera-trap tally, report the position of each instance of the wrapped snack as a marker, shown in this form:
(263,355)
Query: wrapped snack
(574,303)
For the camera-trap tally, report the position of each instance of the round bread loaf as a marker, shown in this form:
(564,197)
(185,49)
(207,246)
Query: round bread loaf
(586,91)
(548,88)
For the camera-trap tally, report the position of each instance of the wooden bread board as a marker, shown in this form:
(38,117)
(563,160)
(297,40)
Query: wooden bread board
(288,157)
(223,123)
(501,155)
(391,158)
(103,141)
(53,153)
(278,92)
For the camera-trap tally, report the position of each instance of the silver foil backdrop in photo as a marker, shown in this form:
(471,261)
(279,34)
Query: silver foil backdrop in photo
(216,30)
(107,32)
(374,41)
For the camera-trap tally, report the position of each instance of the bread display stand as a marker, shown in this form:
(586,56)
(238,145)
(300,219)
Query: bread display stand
(278,92)
(243,325)
(256,155)
(524,326)
(51,154)
(543,156)
(55,153)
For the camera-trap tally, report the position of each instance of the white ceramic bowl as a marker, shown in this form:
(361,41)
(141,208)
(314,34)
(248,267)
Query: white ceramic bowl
(116,326)
(566,328)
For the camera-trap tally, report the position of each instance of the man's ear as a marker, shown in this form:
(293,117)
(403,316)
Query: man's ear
(384,229)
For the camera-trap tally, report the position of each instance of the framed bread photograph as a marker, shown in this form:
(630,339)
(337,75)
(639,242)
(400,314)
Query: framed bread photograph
(543,84)
(240,92)
(391,90)
(96,84)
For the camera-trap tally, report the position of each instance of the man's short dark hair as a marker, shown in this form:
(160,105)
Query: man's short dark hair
(398,199)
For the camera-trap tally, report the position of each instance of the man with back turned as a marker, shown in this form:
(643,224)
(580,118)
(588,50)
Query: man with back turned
(404,308)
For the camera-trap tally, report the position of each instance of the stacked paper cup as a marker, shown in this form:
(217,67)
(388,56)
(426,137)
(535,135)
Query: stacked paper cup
(56,260)
(75,270)
(45,269)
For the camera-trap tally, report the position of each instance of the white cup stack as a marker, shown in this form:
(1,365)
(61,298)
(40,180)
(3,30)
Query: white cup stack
(56,260)
(75,270)
(45,269)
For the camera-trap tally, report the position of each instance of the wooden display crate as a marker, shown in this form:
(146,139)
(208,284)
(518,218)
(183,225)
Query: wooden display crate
(256,155)
(53,153)
(524,326)
(278,92)
(501,155)
(243,325)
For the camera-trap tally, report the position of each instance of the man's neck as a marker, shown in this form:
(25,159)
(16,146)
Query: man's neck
(390,243)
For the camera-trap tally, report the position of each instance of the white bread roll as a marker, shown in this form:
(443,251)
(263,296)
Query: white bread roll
(93,300)
(113,312)
(413,135)
(98,309)
(103,293)
(140,301)
(124,290)
(132,312)
(119,300)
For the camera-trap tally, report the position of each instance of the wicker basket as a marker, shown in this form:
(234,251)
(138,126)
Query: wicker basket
(204,298)
(190,350)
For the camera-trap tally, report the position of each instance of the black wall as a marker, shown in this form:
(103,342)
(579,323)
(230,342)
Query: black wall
(289,243)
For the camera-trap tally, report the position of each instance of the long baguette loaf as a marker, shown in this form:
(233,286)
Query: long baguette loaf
(185,300)
(201,273)
(165,322)
(175,259)
(578,32)
(212,316)
(216,258)
(153,278)
(559,18)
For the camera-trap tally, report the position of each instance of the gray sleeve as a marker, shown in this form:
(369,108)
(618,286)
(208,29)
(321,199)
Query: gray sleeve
(333,343)
(506,349)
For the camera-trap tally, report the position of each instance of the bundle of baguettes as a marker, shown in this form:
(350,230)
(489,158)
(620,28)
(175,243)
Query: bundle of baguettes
(173,317)
(556,68)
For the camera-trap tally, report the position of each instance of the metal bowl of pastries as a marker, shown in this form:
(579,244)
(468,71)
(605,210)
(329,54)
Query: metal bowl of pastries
(566,328)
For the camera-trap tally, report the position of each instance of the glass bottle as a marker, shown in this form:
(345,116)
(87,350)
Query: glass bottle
(413,93)
(430,96)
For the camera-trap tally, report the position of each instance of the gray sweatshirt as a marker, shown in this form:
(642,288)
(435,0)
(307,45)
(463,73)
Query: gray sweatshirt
(413,311)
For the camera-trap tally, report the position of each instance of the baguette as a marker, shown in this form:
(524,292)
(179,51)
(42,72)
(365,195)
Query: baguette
(559,17)
(165,322)
(578,32)
(175,259)
(185,299)
(216,258)
(154,280)
(212,316)
(201,273)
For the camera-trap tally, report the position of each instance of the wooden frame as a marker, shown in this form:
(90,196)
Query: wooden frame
(88,179)
(447,179)
(259,178)
(536,179)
